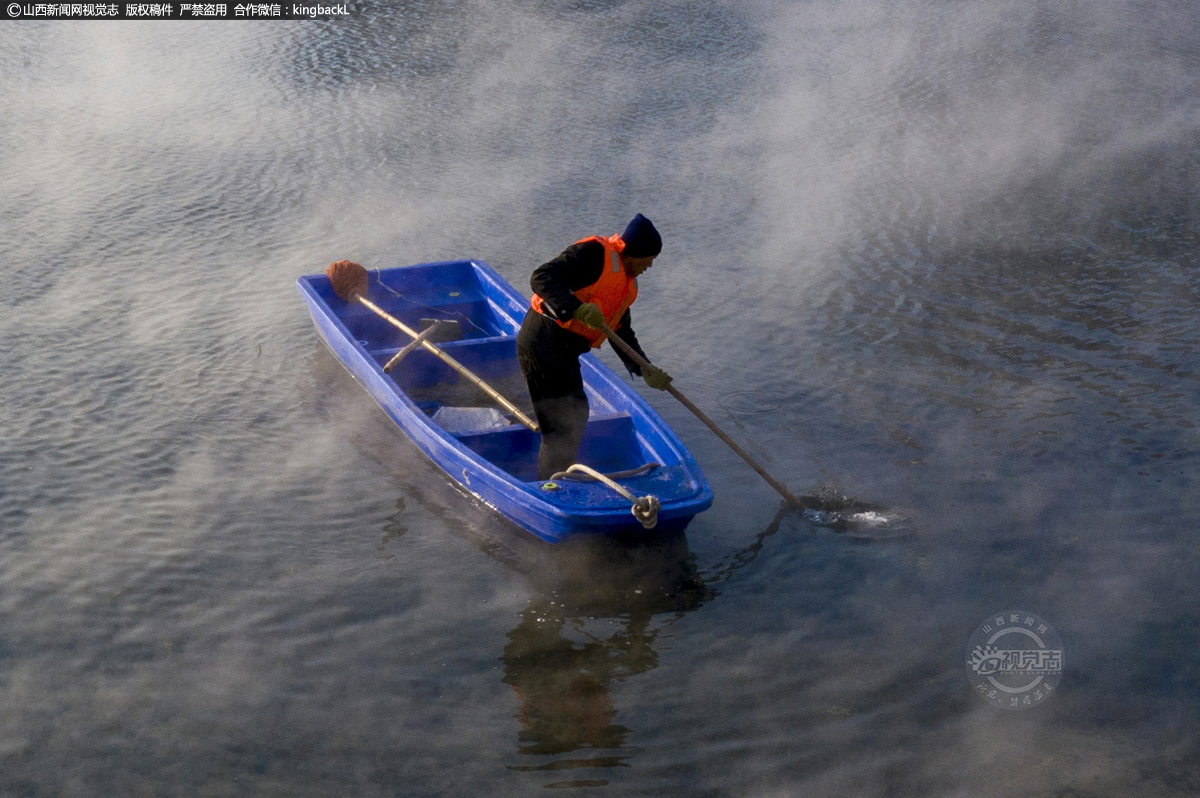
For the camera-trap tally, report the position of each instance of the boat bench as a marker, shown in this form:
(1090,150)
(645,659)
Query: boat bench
(489,358)
(609,444)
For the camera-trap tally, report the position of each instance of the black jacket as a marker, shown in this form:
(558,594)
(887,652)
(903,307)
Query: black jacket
(576,267)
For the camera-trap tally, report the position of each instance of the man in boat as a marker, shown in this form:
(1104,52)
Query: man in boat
(591,283)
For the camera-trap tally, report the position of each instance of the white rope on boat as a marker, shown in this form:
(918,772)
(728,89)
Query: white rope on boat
(633,472)
(645,508)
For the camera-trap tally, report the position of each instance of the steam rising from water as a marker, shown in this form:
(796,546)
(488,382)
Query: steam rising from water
(941,254)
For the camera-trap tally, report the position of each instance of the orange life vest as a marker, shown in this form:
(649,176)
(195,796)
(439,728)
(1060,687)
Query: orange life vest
(613,293)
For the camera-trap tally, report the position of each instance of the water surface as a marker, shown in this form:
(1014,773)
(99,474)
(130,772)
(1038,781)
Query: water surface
(937,259)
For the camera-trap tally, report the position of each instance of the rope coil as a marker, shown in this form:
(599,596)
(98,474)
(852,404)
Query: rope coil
(645,508)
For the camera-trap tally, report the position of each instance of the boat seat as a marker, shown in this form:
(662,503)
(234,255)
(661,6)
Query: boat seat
(490,358)
(610,443)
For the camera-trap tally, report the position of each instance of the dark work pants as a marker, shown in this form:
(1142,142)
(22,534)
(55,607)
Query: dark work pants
(549,359)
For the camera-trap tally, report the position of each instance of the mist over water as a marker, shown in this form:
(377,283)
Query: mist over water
(939,258)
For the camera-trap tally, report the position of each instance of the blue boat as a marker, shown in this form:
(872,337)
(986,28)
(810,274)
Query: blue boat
(481,445)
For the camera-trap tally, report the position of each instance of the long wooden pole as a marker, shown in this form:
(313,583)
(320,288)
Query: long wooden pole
(451,362)
(708,422)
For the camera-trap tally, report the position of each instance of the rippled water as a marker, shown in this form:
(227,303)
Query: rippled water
(937,259)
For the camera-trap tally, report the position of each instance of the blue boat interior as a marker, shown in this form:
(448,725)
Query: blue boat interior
(483,339)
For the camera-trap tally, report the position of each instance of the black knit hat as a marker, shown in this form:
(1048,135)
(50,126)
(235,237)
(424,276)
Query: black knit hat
(641,239)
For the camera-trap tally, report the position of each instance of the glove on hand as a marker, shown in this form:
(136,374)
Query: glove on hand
(656,377)
(590,315)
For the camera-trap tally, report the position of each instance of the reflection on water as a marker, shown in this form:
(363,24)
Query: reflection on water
(600,606)
(564,686)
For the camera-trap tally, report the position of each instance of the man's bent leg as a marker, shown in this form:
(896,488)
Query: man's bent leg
(562,421)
